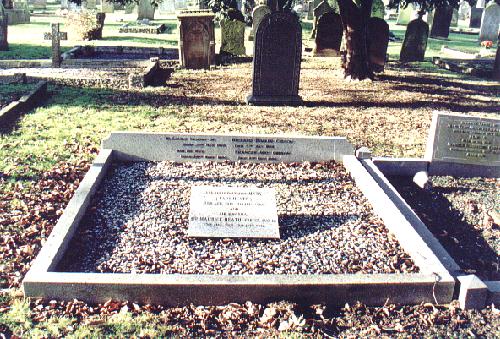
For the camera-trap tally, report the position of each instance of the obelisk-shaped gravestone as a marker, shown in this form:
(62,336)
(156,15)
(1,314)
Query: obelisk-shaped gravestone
(4,45)
(276,61)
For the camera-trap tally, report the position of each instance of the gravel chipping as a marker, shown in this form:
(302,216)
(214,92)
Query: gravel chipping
(139,218)
(464,214)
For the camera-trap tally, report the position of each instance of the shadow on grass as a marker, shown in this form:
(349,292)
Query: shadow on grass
(461,240)
(28,52)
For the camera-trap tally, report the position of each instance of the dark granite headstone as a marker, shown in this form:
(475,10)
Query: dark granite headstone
(475,17)
(276,62)
(377,37)
(328,35)
(441,22)
(4,45)
(415,42)
(323,8)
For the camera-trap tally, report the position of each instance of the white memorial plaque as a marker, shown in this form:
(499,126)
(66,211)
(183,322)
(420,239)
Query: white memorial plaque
(233,212)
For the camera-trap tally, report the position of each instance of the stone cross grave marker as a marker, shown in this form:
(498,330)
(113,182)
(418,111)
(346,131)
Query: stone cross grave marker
(328,35)
(377,41)
(463,145)
(276,61)
(233,212)
(490,23)
(4,45)
(415,42)
(257,15)
(56,36)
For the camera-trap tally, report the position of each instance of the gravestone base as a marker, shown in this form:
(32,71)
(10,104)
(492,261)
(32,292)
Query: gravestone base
(325,52)
(268,100)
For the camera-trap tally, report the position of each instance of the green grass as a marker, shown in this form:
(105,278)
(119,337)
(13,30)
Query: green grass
(15,89)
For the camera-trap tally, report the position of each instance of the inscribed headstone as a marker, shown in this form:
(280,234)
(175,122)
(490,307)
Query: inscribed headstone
(232,37)
(415,42)
(257,15)
(318,11)
(441,23)
(4,45)
(328,35)
(233,212)
(197,39)
(463,145)
(145,10)
(276,62)
(475,17)
(378,9)
(377,37)
(490,22)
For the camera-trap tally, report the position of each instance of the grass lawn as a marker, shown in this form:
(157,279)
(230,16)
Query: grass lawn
(48,151)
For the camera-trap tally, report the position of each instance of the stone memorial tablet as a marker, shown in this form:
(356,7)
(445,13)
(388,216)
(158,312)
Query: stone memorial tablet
(233,212)
(463,145)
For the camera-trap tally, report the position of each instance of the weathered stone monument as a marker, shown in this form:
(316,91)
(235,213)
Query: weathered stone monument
(328,35)
(258,14)
(415,42)
(19,13)
(463,145)
(377,37)
(378,9)
(145,10)
(475,17)
(4,45)
(56,36)
(232,37)
(276,62)
(490,22)
(318,11)
(196,39)
(441,23)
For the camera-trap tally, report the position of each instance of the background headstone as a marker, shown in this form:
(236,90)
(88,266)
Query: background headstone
(257,15)
(378,9)
(232,37)
(145,10)
(167,7)
(39,4)
(64,4)
(107,7)
(276,62)
(323,8)
(4,45)
(377,36)
(490,22)
(328,35)
(405,14)
(90,4)
(441,23)
(464,11)
(415,42)
(310,9)
(454,18)
(196,39)
(475,17)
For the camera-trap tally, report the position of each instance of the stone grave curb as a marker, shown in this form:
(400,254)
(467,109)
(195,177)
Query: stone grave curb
(24,104)
(452,66)
(45,63)
(159,51)
(409,167)
(433,284)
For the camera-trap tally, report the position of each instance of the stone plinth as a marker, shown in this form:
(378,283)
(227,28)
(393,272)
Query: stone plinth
(196,39)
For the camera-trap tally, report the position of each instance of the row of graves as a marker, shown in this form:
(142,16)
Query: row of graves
(209,219)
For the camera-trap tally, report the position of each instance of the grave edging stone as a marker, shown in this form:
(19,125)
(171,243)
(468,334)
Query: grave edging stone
(24,104)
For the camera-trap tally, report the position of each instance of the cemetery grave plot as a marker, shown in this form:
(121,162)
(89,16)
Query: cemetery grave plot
(478,67)
(139,222)
(13,92)
(121,53)
(463,214)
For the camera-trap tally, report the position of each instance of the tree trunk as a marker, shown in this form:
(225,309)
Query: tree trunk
(355,22)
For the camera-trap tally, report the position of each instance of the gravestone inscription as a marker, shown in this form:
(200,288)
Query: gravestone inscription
(490,23)
(415,42)
(56,36)
(276,62)
(4,45)
(463,145)
(329,35)
(233,212)
(377,37)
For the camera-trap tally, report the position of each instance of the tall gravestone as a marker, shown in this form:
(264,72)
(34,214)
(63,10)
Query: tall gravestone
(257,15)
(475,17)
(328,35)
(145,10)
(196,39)
(232,37)
(441,23)
(377,38)
(276,61)
(490,22)
(323,8)
(378,9)
(415,42)
(4,45)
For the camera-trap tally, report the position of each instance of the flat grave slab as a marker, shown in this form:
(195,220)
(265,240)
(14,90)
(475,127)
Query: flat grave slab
(149,257)
(233,212)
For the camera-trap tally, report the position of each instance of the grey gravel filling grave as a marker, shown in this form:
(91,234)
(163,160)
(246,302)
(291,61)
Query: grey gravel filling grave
(138,224)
